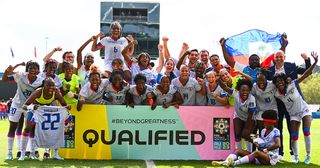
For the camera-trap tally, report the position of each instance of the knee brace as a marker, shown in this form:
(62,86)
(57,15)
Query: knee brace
(294,136)
(306,131)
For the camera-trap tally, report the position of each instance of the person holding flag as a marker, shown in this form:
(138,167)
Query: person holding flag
(236,48)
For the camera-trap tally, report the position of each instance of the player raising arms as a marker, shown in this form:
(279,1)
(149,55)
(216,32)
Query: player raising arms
(298,109)
(27,82)
(113,45)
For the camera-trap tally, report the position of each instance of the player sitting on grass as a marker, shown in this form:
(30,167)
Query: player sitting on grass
(268,145)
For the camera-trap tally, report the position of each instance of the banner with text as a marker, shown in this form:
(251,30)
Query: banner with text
(117,132)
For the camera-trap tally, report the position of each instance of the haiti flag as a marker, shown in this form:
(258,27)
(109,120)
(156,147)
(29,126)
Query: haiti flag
(254,41)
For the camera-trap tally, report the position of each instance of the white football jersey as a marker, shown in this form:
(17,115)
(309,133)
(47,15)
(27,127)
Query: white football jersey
(57,80)
(24,87)
(165,98)
(113,49)
(117,96)
(265,98)
(94,97)
(269,139)
(244,107)
(49,129)
(187,91)
(211,100)
(137,98)
(292,100)
(135,69)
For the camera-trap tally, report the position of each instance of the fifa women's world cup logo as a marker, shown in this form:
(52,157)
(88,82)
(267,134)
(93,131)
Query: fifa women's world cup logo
(221,133)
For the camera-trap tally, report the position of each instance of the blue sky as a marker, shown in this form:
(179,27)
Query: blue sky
(200,23)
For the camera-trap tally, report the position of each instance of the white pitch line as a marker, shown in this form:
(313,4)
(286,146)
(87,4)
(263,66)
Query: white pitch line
(150,164)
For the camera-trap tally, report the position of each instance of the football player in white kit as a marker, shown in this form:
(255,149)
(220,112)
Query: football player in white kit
(27,82)
(268,145)
(215,94)
(166,94)
(92,92)
(45,95)
(113,46)
(140,93)
(245,109)
(117,88)
(298,109)
(188,86)
(263,90)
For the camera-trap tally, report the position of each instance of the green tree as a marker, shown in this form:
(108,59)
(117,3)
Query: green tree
(311,89)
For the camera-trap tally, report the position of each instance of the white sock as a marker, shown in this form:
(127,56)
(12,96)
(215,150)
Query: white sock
(19,137)
(295,147)
(24,142)
(10,144)
(249,146)
(243,160)
(32,144)
(307,142)
(238,144)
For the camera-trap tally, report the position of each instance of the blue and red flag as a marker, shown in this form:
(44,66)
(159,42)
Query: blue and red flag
(241,46)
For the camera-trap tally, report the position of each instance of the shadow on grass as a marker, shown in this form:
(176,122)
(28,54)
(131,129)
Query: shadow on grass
(74,163)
